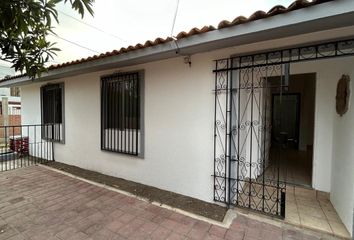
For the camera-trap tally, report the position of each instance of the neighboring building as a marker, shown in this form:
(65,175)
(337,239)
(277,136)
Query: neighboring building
(14,100)
(12,117)
(215,114)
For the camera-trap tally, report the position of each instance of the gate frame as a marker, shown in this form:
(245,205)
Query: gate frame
(285,56)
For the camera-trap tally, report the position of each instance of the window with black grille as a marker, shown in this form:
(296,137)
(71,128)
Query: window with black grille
(120,113)
(52,101)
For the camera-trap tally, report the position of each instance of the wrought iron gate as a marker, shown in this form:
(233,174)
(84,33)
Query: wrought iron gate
(247,167)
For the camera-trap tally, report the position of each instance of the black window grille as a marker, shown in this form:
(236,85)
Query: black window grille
(52,98)
(120,113)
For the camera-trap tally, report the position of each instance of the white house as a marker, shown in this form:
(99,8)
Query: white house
(14,100)
(219,114)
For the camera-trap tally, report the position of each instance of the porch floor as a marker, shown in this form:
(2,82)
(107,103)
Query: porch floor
(38,203)
(295,167)
(311,209)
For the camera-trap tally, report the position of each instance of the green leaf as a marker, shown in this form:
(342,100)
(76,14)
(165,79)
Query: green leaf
(24,25)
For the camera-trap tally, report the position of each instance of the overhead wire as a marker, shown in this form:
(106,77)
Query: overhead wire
(174,18)
(94,27)
(173,27)
(74,43)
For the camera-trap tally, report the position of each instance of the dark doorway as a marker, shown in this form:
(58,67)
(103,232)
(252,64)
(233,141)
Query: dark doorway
(286,118)
(293,128)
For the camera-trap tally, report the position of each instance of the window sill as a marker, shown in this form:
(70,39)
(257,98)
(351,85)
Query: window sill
(133,155)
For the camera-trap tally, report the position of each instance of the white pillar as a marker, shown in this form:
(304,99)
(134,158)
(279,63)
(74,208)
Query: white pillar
(5,110)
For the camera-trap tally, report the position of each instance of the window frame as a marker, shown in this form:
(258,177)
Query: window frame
(140,129)
(61,139)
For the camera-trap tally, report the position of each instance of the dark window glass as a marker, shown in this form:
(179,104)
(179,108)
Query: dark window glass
(52,111)
(52,104)
(120,113)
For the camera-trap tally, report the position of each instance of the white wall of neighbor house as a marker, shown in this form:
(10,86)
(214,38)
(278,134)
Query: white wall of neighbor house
(179,124)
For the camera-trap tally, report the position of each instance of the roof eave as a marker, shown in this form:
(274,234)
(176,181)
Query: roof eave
(326,16)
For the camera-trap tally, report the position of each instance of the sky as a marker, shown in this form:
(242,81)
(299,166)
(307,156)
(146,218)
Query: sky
(120,23)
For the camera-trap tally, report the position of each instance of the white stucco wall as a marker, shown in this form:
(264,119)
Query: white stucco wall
(179,124)
(342,181)
(178,127)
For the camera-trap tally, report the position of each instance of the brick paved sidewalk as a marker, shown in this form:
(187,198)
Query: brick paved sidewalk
(40,204)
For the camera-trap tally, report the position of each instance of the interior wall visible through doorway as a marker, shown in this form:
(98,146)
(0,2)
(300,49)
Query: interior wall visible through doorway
(299,162)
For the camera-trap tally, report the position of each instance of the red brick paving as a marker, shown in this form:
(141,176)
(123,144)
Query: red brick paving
(39,204)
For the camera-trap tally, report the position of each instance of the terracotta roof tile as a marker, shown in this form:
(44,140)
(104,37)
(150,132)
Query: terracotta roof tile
(276,10)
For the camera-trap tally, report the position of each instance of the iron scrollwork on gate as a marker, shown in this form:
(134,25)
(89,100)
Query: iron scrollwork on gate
(245,174)
(248,170)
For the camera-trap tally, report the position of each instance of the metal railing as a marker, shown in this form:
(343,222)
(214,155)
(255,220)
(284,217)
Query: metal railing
(26,145)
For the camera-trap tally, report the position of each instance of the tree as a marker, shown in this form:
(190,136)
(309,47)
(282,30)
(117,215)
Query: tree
(24,27)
